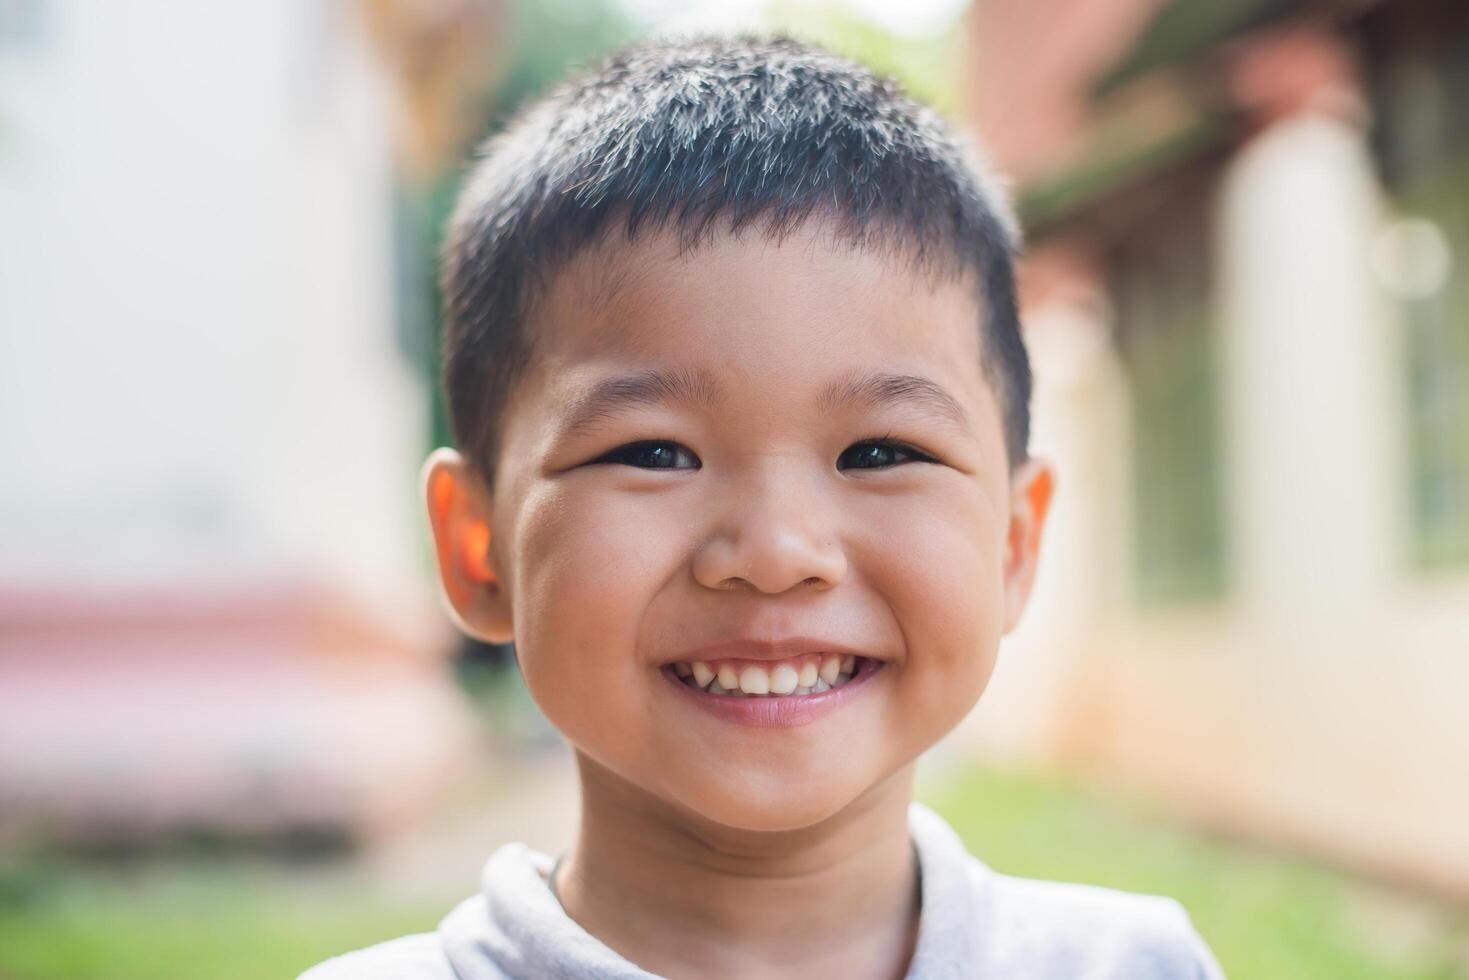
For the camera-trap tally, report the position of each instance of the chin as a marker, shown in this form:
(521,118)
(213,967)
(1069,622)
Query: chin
(771,801)
(779,814)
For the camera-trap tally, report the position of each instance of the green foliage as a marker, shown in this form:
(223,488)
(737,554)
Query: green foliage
(548,39)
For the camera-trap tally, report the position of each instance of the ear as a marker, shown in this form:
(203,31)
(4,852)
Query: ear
(459,516)
(1031,487)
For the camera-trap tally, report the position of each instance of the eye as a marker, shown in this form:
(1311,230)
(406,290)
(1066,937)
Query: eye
(872,454)
(652,455)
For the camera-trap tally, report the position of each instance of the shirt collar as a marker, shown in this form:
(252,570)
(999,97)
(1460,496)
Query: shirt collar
(515,927)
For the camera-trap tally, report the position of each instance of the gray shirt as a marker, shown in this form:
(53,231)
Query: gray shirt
(974,922)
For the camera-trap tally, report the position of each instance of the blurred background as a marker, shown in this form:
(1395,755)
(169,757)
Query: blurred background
(237,735)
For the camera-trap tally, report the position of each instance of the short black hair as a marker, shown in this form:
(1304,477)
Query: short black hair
(698,136)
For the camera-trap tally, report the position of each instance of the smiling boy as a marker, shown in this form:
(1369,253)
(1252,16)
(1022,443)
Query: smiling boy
(741,404)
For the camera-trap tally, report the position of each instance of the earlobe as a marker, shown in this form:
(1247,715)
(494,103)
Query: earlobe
(459,517)
(1031,490)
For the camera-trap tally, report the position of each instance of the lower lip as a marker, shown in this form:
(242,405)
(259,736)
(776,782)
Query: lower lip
(778,712)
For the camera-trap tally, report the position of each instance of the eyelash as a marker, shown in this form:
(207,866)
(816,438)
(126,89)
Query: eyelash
(915,454)
(622,453)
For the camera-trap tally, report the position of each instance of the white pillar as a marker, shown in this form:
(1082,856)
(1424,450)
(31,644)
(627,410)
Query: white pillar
(1310,373)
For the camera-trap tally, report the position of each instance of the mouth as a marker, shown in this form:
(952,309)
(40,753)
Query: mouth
(773,694)
(793,677)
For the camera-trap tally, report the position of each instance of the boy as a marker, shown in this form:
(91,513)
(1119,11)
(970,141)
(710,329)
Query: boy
(735,370)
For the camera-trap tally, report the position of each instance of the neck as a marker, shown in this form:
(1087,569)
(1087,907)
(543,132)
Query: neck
(680,896)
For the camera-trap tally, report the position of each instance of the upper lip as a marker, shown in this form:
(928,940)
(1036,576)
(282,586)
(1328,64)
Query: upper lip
(779,649)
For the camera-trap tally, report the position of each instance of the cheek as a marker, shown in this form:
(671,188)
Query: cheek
(939,567)
(587,567)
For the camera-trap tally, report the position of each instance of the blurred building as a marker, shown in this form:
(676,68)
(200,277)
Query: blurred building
(214,399)
(1247,297)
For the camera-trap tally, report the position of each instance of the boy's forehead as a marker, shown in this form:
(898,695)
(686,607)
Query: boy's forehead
(657,297)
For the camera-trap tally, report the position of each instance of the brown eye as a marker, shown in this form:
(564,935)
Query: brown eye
(652,455)
(874,454)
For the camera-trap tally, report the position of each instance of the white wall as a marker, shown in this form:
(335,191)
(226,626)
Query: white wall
(199,381)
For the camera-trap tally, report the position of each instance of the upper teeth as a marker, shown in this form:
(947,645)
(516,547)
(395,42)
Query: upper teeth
(810,674)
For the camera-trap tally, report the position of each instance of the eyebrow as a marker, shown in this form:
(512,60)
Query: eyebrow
(610,397)
(879,388)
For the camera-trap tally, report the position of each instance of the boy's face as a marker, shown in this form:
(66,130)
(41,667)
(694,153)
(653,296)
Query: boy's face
(769,505)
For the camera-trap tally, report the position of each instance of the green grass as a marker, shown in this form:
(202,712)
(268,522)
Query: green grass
(1267,917)
(197,920)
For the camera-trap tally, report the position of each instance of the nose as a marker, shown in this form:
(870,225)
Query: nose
(775,540)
